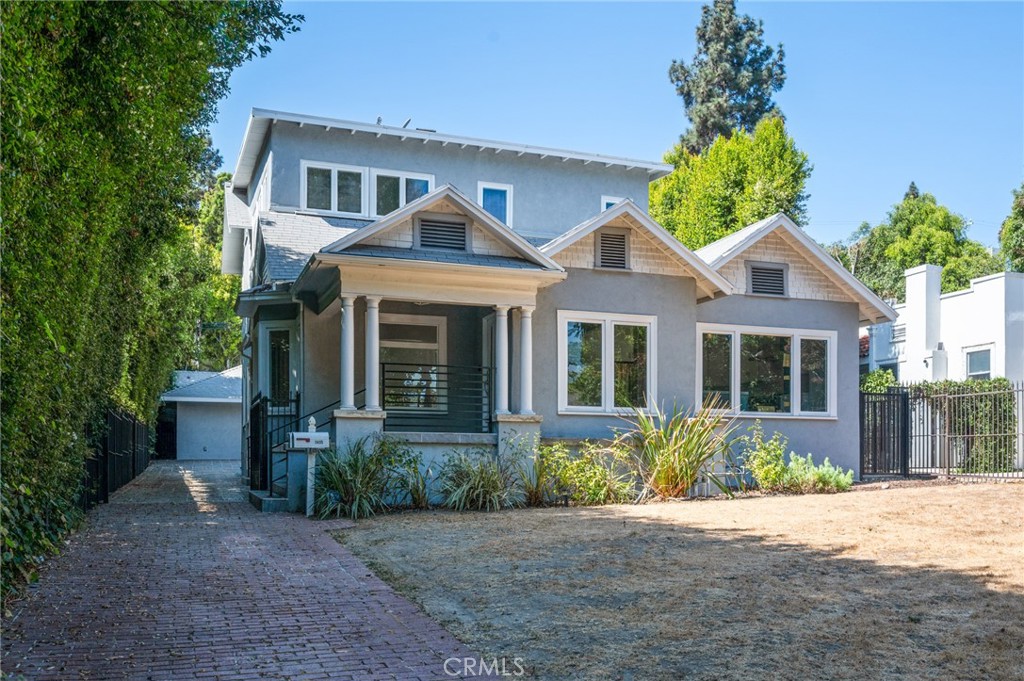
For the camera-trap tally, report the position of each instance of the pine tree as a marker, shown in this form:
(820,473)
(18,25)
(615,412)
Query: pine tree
(729,84)
(912,192)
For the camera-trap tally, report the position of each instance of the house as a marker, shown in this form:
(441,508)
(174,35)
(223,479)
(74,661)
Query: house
(457,292)
(201,417)
(974,333)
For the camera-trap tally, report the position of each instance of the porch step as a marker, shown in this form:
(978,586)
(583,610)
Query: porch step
(265,503)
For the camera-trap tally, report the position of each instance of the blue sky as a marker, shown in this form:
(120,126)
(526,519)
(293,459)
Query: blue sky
(877,95)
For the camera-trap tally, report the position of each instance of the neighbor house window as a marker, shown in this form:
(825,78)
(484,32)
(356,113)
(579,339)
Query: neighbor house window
(333,188)
(496,199)
(412,352)
(768,371)
(979,365)
(393,189)
(609,201)
(606,362)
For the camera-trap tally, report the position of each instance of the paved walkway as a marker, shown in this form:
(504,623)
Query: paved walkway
(178,577)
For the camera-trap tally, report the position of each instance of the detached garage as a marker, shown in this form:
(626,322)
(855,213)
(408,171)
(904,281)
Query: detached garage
(206,411)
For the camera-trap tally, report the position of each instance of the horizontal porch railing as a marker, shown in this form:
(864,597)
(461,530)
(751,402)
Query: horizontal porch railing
(437,398)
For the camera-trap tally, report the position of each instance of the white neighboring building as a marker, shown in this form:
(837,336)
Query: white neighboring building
(974,333)
(207,413)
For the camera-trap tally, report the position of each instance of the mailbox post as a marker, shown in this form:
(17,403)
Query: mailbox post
(311,442)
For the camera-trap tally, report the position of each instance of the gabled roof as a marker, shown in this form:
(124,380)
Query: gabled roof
(225,386)
(707,279)
(721,252)
(482,218)
(260,121)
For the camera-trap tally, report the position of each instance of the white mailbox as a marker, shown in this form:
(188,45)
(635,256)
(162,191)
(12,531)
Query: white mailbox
(309,440)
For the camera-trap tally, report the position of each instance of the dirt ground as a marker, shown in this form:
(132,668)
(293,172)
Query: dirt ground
(918,582)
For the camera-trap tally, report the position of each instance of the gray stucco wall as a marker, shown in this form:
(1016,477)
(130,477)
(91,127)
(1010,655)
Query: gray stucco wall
(671,299)
(838,439)
(209,430)
(549,196)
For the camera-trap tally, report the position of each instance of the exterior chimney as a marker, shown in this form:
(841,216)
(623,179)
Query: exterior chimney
(921,316)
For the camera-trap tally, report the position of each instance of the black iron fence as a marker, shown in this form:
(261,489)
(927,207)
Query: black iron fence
(944,429)
(270,422)
(121,451)
(436,398)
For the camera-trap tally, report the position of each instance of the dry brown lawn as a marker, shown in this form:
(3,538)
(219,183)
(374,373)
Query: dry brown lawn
(901,583)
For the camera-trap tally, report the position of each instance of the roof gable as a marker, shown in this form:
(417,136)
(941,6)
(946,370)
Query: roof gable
(628,214)
(779,228)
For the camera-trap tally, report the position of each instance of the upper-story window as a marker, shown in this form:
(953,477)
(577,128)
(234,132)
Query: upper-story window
(609,201)
(359,191)
(496,199)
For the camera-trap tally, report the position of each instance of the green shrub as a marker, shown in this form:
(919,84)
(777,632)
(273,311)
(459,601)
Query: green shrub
(481,480)
(535,472)
(803,477)
(595,475)
(674,450)
(371,476)
(877,381)
(766,460)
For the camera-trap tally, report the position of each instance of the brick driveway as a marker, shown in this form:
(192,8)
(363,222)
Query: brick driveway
(180,578)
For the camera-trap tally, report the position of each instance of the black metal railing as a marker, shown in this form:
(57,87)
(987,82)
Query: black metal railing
(269,421)
(437,398)
(122,449)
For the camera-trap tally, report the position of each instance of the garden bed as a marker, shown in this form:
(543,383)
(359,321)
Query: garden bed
(919,582)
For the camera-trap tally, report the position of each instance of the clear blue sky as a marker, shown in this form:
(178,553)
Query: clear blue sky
(877,94)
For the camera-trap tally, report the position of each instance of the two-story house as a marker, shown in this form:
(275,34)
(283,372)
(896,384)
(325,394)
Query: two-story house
(455,291)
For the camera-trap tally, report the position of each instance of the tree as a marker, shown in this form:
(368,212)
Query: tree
(918,230)
(105,147)
(730,82)
(734,182)
(220,329)
(1011,234)
(912,192)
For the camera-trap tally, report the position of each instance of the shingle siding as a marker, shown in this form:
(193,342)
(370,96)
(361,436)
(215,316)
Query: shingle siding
(806,281)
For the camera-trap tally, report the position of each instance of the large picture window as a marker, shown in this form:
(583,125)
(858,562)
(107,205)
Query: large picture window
(764,371)
(606,362)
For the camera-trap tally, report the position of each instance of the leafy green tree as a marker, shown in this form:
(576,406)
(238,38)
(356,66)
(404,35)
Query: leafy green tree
(734,182)
(220,329)
(730,82)
(918,230)
(105,147)
(1011,234)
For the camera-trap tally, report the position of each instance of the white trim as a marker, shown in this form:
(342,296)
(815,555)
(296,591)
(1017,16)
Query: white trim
(608,202)
(440,323)
(980,347)
(481,185)
(305,165)
(796,335)
(608,321)
(402,176)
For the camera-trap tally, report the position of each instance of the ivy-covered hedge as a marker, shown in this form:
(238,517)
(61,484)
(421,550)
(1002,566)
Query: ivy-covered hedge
(104,155)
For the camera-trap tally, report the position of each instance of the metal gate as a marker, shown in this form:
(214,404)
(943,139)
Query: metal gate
(885,433)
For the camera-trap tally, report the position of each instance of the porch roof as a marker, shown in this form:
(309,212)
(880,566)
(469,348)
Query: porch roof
(455,258)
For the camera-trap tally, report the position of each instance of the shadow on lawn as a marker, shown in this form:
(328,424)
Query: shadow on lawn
(602,594)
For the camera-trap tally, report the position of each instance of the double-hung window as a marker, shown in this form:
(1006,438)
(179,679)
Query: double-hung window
(979,364)
(412,352)
(496,199)
(606,362)
(333,188)
(392,189)
(757,370)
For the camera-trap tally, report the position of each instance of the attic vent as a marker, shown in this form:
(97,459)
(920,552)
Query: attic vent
(769,281)
(445,236)
(612,251)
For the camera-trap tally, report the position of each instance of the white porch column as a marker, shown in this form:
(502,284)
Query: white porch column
(348,346)
(501,359)
(526,360)
(372,353)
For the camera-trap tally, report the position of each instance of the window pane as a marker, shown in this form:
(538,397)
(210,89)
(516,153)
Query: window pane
(279,383)
(387,194)
(813,375)
(416,333)
(584,357)
(495,202)
(764,373)
(630,366)
(979,364)
(717,368)
(414,189)
(350,192)
(318,188)
(410,377)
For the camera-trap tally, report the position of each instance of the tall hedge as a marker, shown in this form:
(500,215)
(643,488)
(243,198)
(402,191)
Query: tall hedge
(105,151)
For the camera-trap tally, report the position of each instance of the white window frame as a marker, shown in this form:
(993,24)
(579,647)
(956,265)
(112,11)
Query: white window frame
(294,358)
(402,176)
(605,200)
(507,188)
(608,320)
(441,324)
(969,350)
(735,331)
(334,168)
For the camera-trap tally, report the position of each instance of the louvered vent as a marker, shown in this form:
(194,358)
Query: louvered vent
(769,281)
(444,236)
(613,250)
